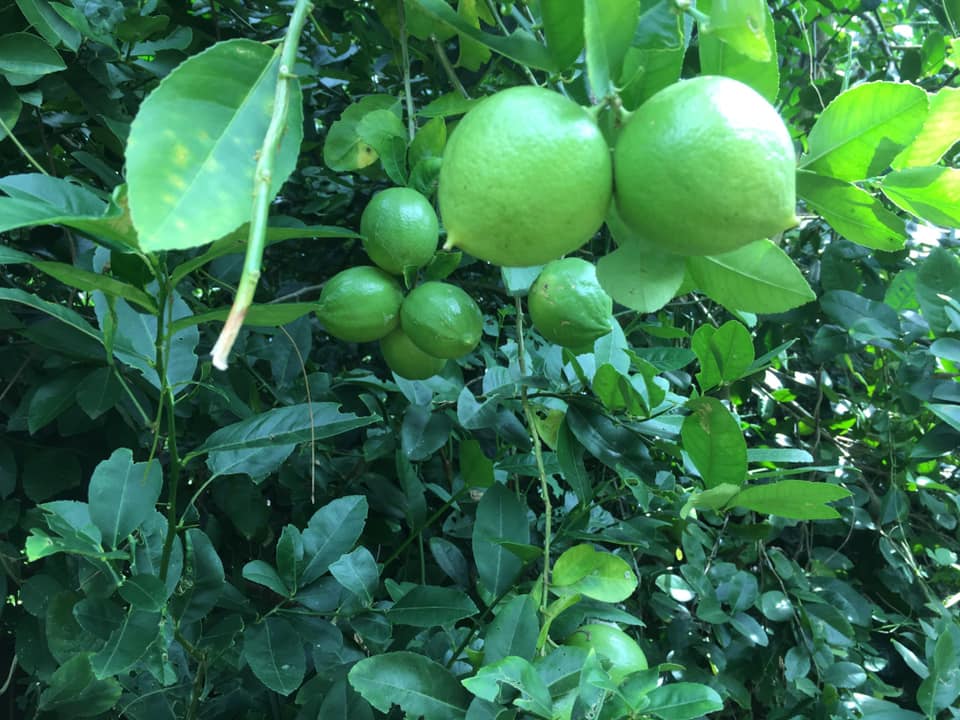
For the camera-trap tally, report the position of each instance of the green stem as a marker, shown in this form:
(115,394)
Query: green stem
(261,188)
(538,454)
(427,523)
(405,62)
(26,153)
(448,68)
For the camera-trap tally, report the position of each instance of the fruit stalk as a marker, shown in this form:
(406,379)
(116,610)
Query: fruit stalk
(261,188)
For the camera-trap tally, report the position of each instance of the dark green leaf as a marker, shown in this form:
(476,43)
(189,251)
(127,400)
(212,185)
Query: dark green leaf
(332,531)
(420,686)
(274,651)
(431,606)
(127,644)
(123,494)
(500,516)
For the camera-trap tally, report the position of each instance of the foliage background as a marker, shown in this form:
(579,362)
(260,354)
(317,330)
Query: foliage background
(305,531)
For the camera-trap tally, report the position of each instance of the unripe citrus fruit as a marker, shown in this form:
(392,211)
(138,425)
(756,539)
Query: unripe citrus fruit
(618,652)
(567,304)
(526,178)
(406,359)
(400,229)
(360,304)
(705,166)
(441,319)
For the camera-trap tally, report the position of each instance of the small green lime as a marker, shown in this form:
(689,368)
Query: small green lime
(441,319)
(360,304)
(400,230)
(619,652)
(705,166)
(526,178)
(567,304)
(406,359)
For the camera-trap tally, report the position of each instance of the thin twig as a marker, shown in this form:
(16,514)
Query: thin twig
(26,153)
(405,62)
(448,68)
(261,188)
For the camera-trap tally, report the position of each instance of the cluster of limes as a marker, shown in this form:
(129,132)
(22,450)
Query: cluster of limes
(418,331)
(703,167)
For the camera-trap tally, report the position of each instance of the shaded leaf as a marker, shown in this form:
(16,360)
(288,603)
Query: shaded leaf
(420,686)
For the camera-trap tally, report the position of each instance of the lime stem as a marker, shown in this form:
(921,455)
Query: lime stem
(261,188)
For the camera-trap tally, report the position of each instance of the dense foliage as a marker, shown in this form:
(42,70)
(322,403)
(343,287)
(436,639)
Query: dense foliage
(754,475)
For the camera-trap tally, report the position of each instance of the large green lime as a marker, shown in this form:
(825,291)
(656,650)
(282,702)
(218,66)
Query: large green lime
(526,178)
(441,319)
(400,229)
(567,304)
(705,166)
(360,304)
(618,652)
(406,359)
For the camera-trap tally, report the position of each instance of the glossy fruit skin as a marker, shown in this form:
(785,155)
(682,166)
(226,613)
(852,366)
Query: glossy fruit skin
(441,320)
(618,651)
(567,304)
(407,360)
(360,304)
(400,229)
(526,178)
(705,166)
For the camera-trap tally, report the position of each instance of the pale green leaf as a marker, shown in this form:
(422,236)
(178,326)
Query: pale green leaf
(940,132)
(930,193)
(713,440)
(759,68)
(602,576)
(640,278)
(796,499)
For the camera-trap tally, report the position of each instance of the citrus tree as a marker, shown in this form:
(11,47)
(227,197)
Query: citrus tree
(556,359)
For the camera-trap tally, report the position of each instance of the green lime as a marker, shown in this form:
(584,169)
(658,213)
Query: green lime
(400,230)
(441,319)
(360,304)
(567,304)
(705,166)
(618,652)
(526,178)
(406,359)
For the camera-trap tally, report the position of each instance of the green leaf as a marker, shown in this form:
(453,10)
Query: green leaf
(263,573)
(682,701)
(344,149)
(357,571)
(420,686)
(89,281)
(852,212)
(938,275)
(595,42)
(513,631)
(863,129)
(123,494)
(602,576)
(144,592)
(865,320)
(26,57)
(939,133)
(332,531)
(563,28)
(741,24)
(384,131)
(570,459)
(517,673)
(202,582)
(713,440)
(796,499)
(127,644)
(500,516)
(946,348)
(46,21)
(732,349)
(640,278)
(274,651)
(10,106)
(431,606)
(758,277)
(187,154)
(751,59)
(98,392)
(930,193)
(50,400)
(476,468)
(74,691)
(950,414)
(519,45)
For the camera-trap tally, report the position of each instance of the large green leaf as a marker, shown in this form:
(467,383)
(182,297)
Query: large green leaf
(863,129)
(518,673)
(193,145)
(852,212)
(758,277)
(640,278)
(46,21)
(520,45)
(563,29)
(940,132)
(602,576)
(357,571)
(931,193)
(123,494)
(796,499)
(25,57)
(202,583)
(54,310)
(713,440)
(513,632)
(75,691)
(274,651)
(431,606)
(420,686)
(683,701)
(500,517)
(127,644)
(331,531)
(937,277)
(741,24)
